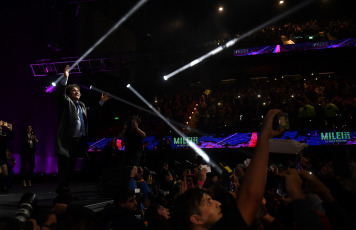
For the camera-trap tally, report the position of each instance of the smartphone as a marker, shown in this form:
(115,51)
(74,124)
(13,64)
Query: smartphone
(280,192)
(232,186)
(207,167)
(281,187)
(283,121)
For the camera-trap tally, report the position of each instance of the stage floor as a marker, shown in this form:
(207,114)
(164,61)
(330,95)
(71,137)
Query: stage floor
(86,192)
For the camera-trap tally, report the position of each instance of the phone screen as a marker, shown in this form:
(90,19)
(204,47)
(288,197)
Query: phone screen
(207,167)
(283,121)
(281,187)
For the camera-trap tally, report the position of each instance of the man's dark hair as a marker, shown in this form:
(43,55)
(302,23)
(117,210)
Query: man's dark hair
(26,127)
(122,194)
(70,87)
(154,219)
(185,206)
(135,117)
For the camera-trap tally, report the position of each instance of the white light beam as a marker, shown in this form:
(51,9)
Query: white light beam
(122,20)
(235,40)
(190,143)
(138,107)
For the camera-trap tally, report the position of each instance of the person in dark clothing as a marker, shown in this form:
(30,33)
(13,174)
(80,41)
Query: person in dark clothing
(122,214)
(157,217)
(72,129)
(133,137)
(72,215)
(11,161)
(4,137)
(28,148)
(305,217)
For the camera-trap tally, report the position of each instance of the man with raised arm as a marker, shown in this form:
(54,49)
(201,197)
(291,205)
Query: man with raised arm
(196,209)
(72,129)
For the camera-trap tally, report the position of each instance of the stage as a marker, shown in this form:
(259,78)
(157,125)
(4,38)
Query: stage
(86,192)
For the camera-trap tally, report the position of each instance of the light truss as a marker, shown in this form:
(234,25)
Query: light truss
(44,67)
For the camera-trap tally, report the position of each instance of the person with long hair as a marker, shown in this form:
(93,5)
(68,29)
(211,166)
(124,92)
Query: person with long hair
(28,149)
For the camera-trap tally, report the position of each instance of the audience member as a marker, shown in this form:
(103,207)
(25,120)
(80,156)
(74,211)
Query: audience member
(195,209)
(28,149)
(122,214)
(11,161)
(45,217)
(157,217)
(133,139)
(4,138)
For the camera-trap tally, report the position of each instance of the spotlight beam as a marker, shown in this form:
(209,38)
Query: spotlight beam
(120,99)
(235,40)
(137,107)
(190,143)
(122,20)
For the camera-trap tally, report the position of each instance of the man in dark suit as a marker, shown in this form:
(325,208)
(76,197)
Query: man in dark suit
(72,129)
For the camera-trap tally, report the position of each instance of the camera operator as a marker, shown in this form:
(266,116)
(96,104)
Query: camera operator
(123,213)
(30,216)
(166,180)
(133,139)
(138,184)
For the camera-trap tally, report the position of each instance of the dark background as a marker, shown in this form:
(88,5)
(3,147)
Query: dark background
(161,37)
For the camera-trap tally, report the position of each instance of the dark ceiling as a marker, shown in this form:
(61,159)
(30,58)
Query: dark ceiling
(169,24)
(162,35)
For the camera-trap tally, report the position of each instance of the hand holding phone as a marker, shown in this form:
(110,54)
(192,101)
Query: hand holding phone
(207,167)
(283,121)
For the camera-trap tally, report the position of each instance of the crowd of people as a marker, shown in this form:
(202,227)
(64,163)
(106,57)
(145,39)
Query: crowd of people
(310,192)
(312,30)
(314,102)
(305,193)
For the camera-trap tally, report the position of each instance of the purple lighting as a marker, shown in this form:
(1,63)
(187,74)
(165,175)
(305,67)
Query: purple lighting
(48,168)
(76,13)
(296,47)
(277,49)
(84,87)
(50,89)
(51,165)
